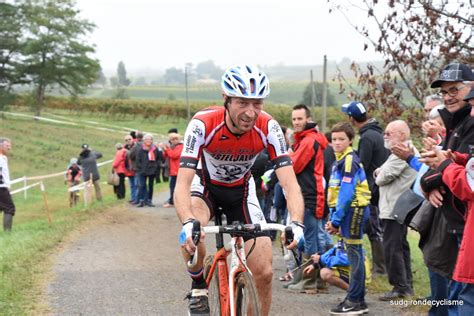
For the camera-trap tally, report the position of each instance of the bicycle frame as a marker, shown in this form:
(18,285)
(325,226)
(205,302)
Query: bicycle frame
(238,263)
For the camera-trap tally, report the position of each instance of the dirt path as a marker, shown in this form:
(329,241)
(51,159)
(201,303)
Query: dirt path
(128,263)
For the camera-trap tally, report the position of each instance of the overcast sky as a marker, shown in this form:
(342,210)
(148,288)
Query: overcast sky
(157,34)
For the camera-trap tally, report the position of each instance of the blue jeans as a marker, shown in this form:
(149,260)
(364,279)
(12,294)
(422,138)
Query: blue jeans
(133,188)
(439,291)
(324,238)
(311,231)
(172,186)
(279,202)
(356,291)
(467,296)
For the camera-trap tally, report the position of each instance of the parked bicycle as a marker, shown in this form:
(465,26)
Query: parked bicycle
(231,289)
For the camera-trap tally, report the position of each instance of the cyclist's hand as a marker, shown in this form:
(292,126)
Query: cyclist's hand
(298,235)
(186,236)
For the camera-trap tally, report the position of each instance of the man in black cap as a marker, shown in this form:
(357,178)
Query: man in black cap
(373,154)
(455,82)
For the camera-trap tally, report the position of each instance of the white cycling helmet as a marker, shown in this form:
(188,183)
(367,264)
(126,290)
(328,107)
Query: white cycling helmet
(239,80)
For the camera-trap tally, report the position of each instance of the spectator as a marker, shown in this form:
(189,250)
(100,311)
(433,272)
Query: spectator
(6,202)
(372,154)
(308,163)
(147,163)
(393,178)
(120,170)
(132,156)
(173,153)
(333,266)
(455,81)
(461,181)
(129,172)
(73,177)
(431,102)
(88,161)
(348,200)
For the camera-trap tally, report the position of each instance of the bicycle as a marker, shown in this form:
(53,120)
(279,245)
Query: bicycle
(232,291)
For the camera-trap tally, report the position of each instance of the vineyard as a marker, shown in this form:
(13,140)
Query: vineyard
(153,110)
(282,92)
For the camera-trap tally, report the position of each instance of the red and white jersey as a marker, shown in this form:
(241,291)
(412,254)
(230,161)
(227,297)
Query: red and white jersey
(224,157)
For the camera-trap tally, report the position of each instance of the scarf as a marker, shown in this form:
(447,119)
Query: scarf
(151,152)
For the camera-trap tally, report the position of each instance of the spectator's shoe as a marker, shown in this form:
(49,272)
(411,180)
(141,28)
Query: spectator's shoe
(348,307)
(363,307)
(140,204)
(168,205)
(198,302)
(393,295)
(150,204)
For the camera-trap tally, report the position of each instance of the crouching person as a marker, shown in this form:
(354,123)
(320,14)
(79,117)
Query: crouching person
(333,266)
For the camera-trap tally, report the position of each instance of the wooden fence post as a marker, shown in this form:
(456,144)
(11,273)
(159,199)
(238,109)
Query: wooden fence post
(45,199)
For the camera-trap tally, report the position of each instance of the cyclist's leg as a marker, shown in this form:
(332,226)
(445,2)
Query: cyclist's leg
(260,263)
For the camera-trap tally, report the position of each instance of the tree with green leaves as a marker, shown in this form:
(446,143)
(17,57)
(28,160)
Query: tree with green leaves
(55,53)
(318,91)
(122,75)
(11,47)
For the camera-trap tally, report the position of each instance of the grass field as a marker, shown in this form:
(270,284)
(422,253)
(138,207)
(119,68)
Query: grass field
(41,148)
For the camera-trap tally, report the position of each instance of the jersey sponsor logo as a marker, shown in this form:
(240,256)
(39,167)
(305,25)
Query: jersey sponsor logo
(231,157)
(223,137)
(190,143)
(230,172)
(347,179)
(196,130)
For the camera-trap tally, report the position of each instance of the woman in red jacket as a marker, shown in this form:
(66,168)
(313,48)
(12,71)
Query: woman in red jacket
(173,152)
(119,168)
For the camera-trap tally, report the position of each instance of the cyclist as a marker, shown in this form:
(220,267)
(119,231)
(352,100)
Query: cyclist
(220,146)
(73,177)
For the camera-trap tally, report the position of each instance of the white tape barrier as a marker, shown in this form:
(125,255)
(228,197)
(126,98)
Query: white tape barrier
(62,173)
(28,187)
(115,129)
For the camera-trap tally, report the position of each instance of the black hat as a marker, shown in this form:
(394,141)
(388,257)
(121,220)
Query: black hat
(470,95)
(173,130)
(454,73)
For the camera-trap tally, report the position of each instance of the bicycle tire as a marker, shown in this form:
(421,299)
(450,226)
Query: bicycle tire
(213,287)
(246,299)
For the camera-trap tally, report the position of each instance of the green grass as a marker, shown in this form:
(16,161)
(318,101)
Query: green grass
(41,148)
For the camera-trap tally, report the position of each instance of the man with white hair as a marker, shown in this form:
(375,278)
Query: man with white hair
(6,203)
(393,178)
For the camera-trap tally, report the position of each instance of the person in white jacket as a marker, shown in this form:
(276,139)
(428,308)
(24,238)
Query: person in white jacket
(6,203)
(393,178)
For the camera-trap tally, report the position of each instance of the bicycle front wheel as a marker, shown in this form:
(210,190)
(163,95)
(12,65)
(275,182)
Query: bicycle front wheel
(213,287)
(246,300)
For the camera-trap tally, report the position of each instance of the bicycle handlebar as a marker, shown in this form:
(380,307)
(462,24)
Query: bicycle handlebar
(238,230)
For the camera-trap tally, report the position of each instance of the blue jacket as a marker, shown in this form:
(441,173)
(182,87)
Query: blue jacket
(348,186)
(334,257)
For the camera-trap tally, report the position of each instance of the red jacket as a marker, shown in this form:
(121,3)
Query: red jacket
(119,161)
(174,154)
(454,176)
(308,163)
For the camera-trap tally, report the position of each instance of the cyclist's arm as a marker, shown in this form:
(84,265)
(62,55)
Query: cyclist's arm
(286,177)
(182,195)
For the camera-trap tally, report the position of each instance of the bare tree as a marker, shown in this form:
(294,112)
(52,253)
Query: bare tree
(415,38)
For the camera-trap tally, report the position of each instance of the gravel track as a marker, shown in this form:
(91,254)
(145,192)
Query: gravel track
(128,263)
